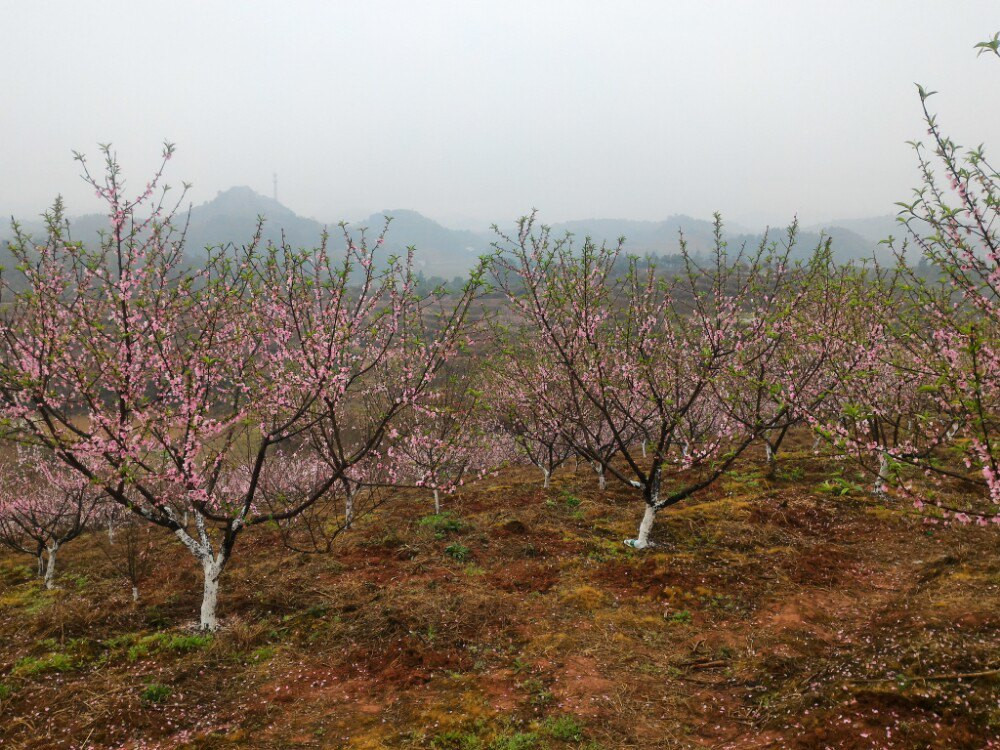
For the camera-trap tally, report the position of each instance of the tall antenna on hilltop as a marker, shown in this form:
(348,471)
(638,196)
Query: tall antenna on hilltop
(275,181)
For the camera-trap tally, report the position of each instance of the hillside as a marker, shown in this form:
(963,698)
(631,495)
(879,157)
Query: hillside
(771,614)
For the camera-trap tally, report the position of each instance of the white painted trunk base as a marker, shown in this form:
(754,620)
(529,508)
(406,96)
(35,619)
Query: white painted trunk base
(882,480)
(645,526)
(210,599)
(349,510)
(50,567)
(437,503)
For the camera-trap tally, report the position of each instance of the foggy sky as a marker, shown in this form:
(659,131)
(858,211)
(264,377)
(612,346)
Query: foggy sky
(475,112)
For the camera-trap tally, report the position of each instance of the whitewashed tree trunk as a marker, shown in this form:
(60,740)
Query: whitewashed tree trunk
(545,478)
(111,531)
(643,448)
(882,480)
(437,503)
(212,568)
(349,509)
(645,527)
(50,567)
(135,594)
(602,482)
(212,565)
(771,459)
(41,565)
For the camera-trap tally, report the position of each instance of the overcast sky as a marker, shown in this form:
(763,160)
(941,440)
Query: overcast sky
(475,112)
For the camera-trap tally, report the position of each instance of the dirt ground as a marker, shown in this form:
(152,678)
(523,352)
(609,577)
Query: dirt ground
(787,613)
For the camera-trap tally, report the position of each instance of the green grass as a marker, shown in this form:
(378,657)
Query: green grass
(167,643)
(564,728)
(154,692)
(458,552)
(456,740)
(442,524)
(519,741)
(54,662)
(681,616)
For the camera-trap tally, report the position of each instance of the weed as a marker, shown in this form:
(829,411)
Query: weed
(442,523)
(154,692)
(681,616)
(458,552)
(167,642)
(519,741)
(54,662)
(565,728)
(264,653)
(5,691)
(539,694)
(571,500)
(839,487)
(456,740)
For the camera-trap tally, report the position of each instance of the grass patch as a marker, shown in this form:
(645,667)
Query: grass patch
(442,524)
(57,661)
(154,692)
(458,552)
(519,741)
(177,643)
(457,740)
(681,616)
(564,728)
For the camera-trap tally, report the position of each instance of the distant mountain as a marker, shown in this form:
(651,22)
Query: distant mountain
(439,251)
(662,237)
(231,217)
(873,229)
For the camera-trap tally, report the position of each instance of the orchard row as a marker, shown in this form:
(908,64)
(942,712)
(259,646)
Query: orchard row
(300,388)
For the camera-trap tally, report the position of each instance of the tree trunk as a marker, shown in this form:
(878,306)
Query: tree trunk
(50,567)
(645,526)
(602,482)
(437,503)
(349,509)
(772,460)
(882,480)
(643,448)
(545,478)
(135,594)
(212,567)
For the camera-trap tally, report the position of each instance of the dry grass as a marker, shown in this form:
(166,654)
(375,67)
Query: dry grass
(771,614)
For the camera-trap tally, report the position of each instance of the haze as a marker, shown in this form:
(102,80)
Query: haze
(474,112)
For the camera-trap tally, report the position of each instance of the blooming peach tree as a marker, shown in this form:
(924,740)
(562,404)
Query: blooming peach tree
(643,352)
(177,389)
(43,506)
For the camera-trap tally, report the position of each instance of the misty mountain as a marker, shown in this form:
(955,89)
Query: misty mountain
(662,237)
(873,229)
(231,217)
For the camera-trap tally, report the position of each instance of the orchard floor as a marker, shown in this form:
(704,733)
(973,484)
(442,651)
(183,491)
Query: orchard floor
(771,614)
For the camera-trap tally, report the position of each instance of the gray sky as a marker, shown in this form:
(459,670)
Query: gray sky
(475,112)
